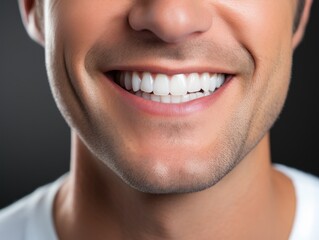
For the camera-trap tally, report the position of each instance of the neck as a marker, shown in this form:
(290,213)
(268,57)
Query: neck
(95,202)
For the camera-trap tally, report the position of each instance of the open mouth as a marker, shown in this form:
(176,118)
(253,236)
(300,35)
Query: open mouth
(178,88)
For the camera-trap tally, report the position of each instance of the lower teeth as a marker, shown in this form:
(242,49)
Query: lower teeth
(171,98)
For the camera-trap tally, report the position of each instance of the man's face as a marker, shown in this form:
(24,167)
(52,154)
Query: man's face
(169,147)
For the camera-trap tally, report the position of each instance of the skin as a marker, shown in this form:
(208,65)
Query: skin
(135,175)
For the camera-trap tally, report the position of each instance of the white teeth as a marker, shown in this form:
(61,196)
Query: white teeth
(185,98)
(178,85)
(136,82)
(220,80)
(205,81)
(176,99)
(199,95)
(161,85)
(155,98)
(193,83)
(192,96)
(166,99)
(213,82)
(178,88)
(147,83)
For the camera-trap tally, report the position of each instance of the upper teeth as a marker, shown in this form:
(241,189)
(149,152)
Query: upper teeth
(176,85)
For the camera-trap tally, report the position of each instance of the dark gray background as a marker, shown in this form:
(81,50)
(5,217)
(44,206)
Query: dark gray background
(34,139)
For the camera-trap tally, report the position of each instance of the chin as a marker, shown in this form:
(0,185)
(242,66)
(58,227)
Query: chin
(173,174)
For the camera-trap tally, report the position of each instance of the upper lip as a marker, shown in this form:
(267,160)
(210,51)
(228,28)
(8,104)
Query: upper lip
(170,70)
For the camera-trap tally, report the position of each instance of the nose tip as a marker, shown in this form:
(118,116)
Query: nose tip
(170,20)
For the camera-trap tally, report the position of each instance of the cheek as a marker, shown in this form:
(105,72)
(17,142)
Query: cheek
(84,22)
(262,27)
(81,25)
(72,28)
(269,91)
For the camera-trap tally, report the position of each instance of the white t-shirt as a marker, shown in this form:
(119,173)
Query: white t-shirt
(31,217)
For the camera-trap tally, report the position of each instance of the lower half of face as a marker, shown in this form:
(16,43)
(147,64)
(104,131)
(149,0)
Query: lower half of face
(170,118)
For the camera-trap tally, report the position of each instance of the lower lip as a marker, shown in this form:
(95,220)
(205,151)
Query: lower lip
(168,109)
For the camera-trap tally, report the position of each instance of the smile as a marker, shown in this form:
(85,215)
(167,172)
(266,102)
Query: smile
(178,88)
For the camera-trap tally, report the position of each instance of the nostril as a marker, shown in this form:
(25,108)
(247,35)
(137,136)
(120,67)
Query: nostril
(170,21)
